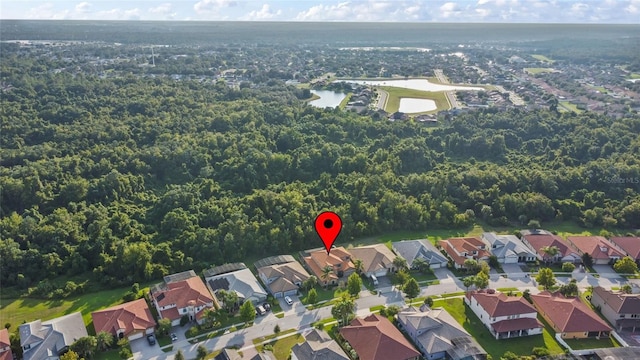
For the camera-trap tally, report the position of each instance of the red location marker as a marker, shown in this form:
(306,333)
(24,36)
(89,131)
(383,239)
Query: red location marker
(328,225)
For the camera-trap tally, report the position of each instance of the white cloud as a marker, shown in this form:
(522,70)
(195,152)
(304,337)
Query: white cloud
(205,6)
(119,14)
(161,9)
(46,11)
(83,7)
(264,13)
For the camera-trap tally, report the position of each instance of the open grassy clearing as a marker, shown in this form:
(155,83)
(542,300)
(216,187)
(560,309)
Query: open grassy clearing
(345,101)
(570,107)
(542,58)
(634,76)
(496,348)
(395,94)
(538,70)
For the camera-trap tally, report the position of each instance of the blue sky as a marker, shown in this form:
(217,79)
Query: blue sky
(544,11)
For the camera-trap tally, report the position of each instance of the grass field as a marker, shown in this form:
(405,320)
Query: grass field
(570,107)
(395,94)
(634,76)
(496,348)
(538,70)
(581,344)
(282,347)
(542,58)
(345,101)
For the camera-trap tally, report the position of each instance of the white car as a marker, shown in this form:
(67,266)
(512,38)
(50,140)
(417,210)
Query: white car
(288,300)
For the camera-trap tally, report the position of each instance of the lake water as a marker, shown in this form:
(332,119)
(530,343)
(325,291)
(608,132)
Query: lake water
(328,98)
(413,105)
(416,84)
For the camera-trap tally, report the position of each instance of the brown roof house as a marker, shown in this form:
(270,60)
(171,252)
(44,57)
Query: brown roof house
(504,316)
(630,245)
(461,249)
(570,317)
(132,320)
(318,345)
(601,250)
(377,260)
(622,310)
(537,239)
(283,279)
(339,260)
(375,338)
(182,294)
(5,345)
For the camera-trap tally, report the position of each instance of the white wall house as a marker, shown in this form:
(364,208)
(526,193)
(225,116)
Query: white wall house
(504,316)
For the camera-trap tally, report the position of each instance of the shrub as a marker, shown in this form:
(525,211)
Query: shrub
(125,353)
(568,267)
(184,320)
(540,351)
(192,332)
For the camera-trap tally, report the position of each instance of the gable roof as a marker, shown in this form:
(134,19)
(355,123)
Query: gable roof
(338,256)
(410,250)
(619,302)
(241,281)
(597,246)
(630,244)
(538,241)
(4,338)
(274,260)
(319,345)
(438,326)
(54,335)
(568,314)
(223,269)
(375,338)
(506,246)
(191,291)
(499,304)
(132,316)
(374,257)
(456,246)
(287,275)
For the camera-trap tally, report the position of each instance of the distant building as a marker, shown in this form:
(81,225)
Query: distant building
(538,239)
(410,250)
(622,310)
(42,340)
(283,277)
(508,248)
(630,245)
(339,260)
(504,316)
(601,250)
(132,320)
(241,281)
(461,249)
(377,260)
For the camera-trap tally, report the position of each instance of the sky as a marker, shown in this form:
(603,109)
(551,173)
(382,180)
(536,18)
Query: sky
(511,11)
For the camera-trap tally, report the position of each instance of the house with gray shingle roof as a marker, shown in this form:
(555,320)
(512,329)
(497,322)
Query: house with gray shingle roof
(622,310)
(46,340)
(508,248)
(411,250)
(283,279)
(318,345)
(438,335)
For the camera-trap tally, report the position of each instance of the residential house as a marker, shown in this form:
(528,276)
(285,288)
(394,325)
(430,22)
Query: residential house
(5,345)
(438,335)
(339,260)
(238,279)
(504,316)
(538,239)
(508,248)
(630,245)
(182,294)
(375,338)
(617,353)
(570,317)
(411,250)
(232,354)
(377,260)
(41,340)
(601,250)
(622,310)
(283,279)
(318,345)
(132,320)
(461,249)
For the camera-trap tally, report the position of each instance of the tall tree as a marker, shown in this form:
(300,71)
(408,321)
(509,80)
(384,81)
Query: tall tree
(399,263)
(546,278)
(411,289)
(354,284)
(587,260)
(467,281)
(85,346)
(481,280)
(164,325)
(343,309)
(104,340)
(358,264)
(247,312)
(550,252)
(202,352)
(626,265)
(179,355)
(326,274)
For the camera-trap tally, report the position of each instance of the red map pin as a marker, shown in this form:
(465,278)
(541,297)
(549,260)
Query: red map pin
(328,225)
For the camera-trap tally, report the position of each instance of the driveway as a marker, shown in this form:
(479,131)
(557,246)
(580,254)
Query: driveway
(633,339)
(443,274)
(511,269)
(296,307)
(606,270)
(142,350)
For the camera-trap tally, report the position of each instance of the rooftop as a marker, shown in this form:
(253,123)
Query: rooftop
(131,316)
(375,338)
(569,314)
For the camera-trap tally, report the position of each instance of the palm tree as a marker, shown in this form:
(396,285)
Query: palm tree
(343,308)
(399,263)
(326,273)
(104,340)
(550,252)
(359,265)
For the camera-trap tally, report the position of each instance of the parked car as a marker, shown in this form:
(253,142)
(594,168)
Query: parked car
(174,337)
(260,310)
(151,339)
(266,306)
(288,300)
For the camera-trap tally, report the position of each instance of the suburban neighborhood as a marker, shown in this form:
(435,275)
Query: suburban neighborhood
(384,321)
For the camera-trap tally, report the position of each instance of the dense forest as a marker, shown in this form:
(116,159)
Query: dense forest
(134,178)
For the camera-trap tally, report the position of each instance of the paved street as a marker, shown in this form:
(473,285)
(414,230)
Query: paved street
(298,317)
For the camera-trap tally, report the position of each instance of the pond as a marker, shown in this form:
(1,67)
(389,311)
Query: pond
(328,98)
(415,84)
(414,105)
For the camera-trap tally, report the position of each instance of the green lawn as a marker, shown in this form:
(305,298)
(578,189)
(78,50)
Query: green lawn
(570,107)
(535,71)
(323,295)
(496,348)
(15,311)
(581,344)
(634,76)
(107,355)
(542,58)
(282,347)
(345,101)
